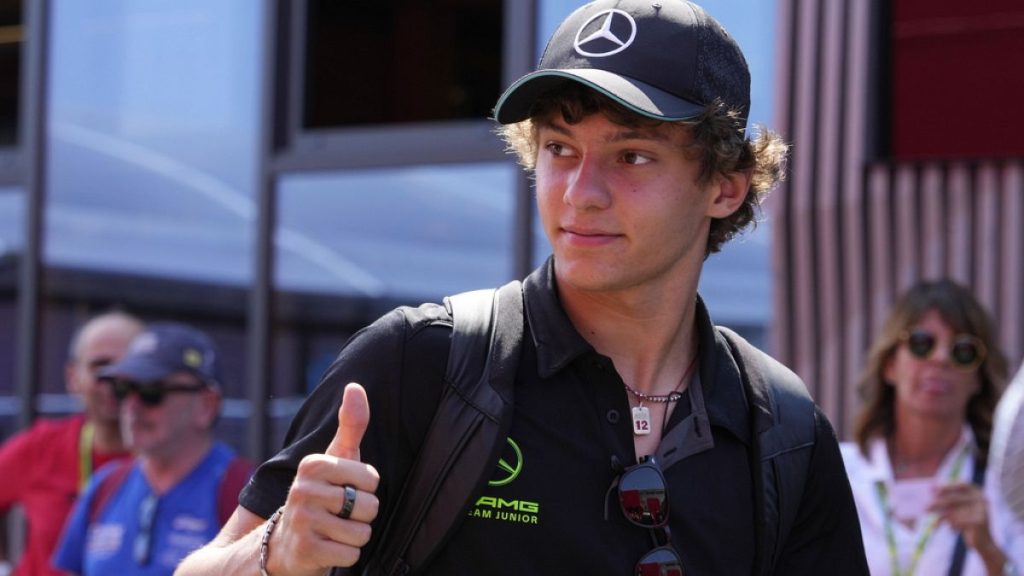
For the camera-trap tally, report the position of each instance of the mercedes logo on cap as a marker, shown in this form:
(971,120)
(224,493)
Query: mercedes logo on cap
(615,33)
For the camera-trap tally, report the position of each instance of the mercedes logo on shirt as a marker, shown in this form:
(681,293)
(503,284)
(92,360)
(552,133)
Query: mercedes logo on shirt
(509,465)
(605,33)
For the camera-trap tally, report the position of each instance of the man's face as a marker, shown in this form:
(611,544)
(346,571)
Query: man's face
(99,345)
(181,414)
(621,206)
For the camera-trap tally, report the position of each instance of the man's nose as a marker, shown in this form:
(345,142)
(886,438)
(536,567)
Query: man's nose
(587,186)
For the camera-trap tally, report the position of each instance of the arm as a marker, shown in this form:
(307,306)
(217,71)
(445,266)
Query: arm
(301,473)
(310,538)
(964,506)
(235,550)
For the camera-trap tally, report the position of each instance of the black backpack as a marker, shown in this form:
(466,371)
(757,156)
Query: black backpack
(474,416)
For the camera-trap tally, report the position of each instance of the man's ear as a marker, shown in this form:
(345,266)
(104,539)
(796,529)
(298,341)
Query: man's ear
(728,193)
(210,402)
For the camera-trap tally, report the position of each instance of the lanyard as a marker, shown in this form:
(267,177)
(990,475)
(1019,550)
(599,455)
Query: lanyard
(932,520)
(84,455)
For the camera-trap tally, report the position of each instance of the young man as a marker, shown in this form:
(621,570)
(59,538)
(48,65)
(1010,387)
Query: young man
(634,128)
(144,517)
(47,466)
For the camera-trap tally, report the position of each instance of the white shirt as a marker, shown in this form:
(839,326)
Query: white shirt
(913,496)
(1006,455)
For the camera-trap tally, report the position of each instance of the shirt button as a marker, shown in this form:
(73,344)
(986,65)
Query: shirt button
(612,416)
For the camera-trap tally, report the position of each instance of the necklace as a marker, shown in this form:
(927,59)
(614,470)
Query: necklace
(642,414)
(84,455)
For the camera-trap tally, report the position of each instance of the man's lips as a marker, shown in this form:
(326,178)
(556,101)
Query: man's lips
(587,236)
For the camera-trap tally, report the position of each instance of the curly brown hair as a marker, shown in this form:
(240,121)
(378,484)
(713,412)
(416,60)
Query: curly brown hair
(718,140)
(962,311)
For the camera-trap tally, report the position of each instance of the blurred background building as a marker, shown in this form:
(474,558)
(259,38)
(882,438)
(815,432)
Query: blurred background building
(281,172)
(278,173)
(908,163)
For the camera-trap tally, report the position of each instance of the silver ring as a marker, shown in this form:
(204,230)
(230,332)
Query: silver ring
(348,503)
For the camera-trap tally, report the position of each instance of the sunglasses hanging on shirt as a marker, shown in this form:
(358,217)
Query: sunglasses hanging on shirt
(643,499)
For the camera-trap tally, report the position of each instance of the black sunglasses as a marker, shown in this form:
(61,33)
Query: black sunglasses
(966,353)
(643,497)
(150,393)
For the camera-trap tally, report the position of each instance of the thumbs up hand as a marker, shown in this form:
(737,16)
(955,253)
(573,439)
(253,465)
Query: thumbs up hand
(332,501)
(353,418)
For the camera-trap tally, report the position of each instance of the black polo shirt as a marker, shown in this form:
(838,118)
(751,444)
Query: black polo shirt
(549,507)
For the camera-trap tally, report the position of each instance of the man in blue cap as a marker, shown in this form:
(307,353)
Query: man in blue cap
(641,439)
(144,517)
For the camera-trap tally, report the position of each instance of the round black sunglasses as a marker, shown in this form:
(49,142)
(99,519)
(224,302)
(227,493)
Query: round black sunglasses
(966,351)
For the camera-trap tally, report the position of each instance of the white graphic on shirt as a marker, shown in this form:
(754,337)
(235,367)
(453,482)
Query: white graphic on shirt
(104,539)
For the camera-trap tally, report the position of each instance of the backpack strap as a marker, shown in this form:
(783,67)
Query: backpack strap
(235,477)
(783,417)
(107,487)
(466,435)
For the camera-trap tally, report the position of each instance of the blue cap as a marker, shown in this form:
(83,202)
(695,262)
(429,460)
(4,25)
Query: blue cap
(165,348)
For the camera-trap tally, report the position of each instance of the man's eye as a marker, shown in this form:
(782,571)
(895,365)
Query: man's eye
(635,158)
(557,149)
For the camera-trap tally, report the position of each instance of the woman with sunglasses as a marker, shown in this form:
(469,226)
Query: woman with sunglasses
(930,387)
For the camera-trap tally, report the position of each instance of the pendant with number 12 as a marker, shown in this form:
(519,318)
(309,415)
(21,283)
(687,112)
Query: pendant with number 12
(641,421)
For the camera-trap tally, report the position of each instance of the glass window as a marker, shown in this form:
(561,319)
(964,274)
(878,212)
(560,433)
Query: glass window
(8,346)
(412,234)
(151,166)
(12,239)
(12,224)
(11,41)
(372,62)
(350,245)
(12,235)
(10,404)
(153,109)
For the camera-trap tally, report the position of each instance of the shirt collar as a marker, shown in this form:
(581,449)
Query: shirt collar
(724,396)
(881,465)
(558,344)
(557,341)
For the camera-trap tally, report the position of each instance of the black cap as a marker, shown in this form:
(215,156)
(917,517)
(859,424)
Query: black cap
(165,348)
(665,59)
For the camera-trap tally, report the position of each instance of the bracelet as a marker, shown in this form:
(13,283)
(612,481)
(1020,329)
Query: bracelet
(265,542)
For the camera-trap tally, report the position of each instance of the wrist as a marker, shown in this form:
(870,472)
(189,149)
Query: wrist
(998,564)
(264,554)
